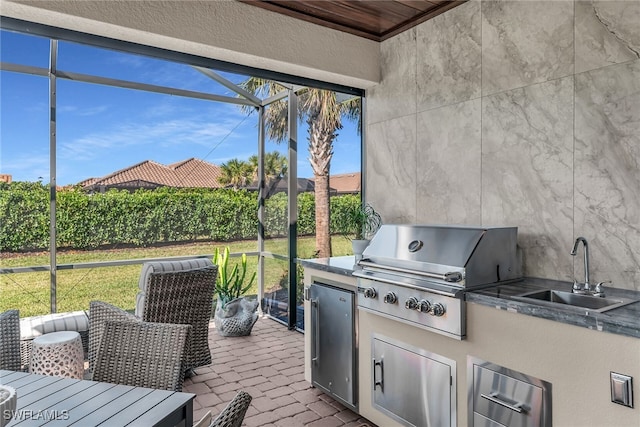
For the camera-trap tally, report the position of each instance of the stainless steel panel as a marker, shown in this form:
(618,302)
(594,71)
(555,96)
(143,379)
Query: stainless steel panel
(473,256)
(622,389)
(412,386)
(480,421)
(333,342)
(495,258)
(507,397)
(446,245)
(415,281)
(452,323)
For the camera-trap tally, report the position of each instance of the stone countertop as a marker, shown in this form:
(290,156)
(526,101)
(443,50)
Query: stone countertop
(343,265)
(624,320)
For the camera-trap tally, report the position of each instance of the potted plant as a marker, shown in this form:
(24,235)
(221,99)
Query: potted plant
(360,221)
(235,315)
(8,401)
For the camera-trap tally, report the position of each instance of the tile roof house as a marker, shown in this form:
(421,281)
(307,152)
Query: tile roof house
(190,173)
(346,183)
(280,184)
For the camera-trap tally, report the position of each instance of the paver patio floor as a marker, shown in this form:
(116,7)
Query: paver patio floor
(269,365)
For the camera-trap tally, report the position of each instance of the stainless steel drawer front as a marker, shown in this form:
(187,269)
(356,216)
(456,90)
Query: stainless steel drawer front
(480,421)
(412,386)
(507,397)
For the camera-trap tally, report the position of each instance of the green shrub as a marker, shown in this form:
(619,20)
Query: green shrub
(24,216)
(146,217)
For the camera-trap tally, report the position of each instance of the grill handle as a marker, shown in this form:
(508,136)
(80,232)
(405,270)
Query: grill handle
(495,398)
(451,277)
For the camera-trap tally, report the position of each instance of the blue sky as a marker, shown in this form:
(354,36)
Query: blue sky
(102,129)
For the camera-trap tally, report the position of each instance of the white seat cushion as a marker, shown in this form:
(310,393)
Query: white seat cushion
(205,421)
(31,327)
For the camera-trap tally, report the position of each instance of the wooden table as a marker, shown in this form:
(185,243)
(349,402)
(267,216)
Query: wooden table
(55,401)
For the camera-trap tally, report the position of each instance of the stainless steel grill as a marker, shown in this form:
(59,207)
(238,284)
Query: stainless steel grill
(418,273)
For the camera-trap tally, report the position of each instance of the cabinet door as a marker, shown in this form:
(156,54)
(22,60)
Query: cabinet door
(333,341)
(410,387)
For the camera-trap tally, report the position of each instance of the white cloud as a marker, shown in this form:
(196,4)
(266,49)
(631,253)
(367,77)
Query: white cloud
(160,133)
(37,107)
(185,77)
(161,109)
(175,75)
(126,59)
(28,167)
(66,109)
(93,110)
(83,112)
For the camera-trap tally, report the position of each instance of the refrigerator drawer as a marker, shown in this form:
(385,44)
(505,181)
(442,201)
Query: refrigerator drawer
(333,354)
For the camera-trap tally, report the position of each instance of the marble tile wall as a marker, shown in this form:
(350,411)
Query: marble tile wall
(527,162)
(527,113)
(391,168)
(525,42)
(448,58)
(448,164)
(607,169)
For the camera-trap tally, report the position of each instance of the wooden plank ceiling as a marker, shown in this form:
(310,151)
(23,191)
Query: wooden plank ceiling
(373,19)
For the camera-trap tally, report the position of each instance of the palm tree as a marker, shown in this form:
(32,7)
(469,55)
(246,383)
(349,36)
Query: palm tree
(236,173)
(275,166)
(323,113)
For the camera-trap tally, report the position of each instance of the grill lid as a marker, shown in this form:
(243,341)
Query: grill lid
(460,255)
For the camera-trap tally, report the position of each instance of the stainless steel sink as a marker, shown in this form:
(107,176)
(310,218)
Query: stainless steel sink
(571,300)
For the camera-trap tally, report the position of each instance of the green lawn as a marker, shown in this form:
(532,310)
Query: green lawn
(29,292)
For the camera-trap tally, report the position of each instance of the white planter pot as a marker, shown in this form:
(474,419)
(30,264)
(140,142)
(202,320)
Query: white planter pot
(358,247)
(8,401)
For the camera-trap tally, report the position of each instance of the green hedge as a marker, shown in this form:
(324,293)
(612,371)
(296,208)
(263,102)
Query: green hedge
(145,217)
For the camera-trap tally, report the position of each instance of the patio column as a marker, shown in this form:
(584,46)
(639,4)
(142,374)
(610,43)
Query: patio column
(53,64)
(261,196)
(292,189)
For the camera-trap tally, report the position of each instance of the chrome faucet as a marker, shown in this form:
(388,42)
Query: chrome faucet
(587,286)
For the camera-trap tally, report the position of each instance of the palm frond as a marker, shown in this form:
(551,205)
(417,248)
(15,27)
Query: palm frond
(236,173)
(352,109)
(276,113)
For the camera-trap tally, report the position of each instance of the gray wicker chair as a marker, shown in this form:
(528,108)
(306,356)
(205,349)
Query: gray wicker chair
(10,340)
(99,313)
(181,297)
(142,354)
(233,414)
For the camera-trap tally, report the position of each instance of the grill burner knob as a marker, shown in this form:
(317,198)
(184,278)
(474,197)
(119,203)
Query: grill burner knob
(424,306)
(411,303)
(437,310)
(390,298)
(370,293)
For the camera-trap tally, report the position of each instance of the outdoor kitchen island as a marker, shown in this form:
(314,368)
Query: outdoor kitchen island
(574,352)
